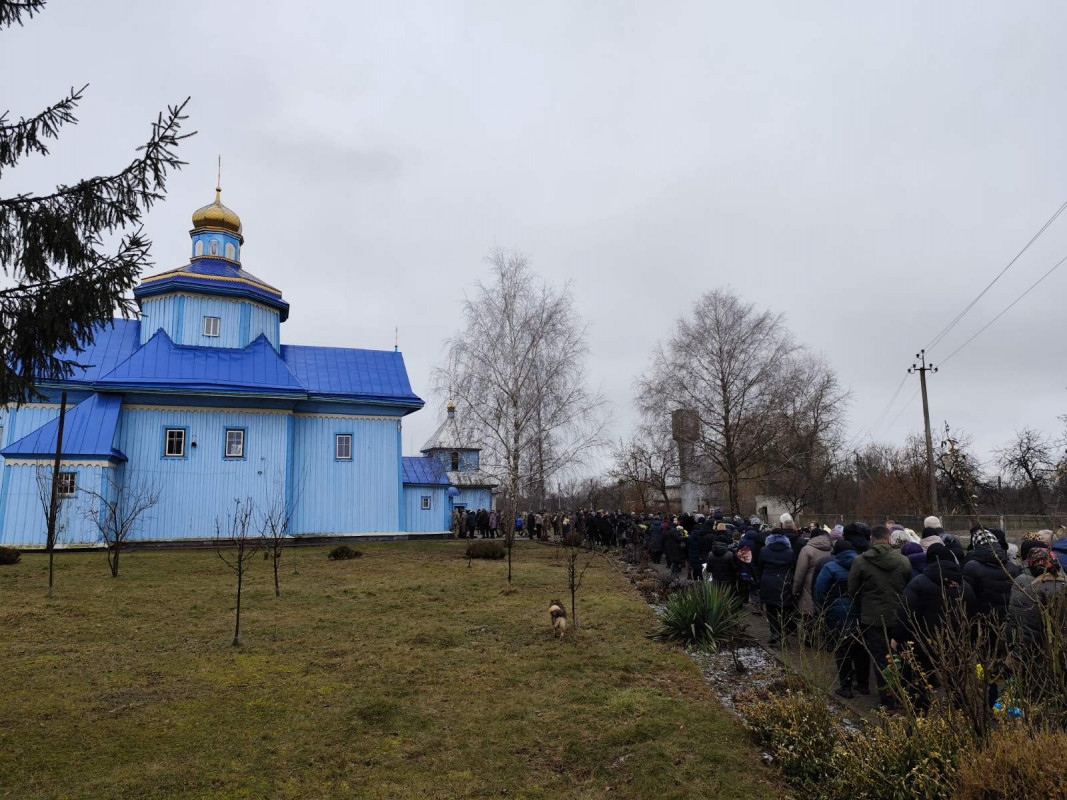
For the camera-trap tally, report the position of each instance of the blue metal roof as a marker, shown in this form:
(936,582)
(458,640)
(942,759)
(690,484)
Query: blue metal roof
(423,471)
(112,344)
(215,276)
(88,430)
(161,364)
(115,361)
(348,372)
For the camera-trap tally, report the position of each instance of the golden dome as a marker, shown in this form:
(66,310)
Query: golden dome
(216,216)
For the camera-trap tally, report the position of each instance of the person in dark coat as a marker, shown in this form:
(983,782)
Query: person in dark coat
(755,537)
(859,535)
(990,575)
(913,551)
(841,616)
(721,567)
(954,547)
(937,597)
(746,577)
(693,546)
(776,586)
(655,539)
(674,546)
(1047,586)
(1059,549)
(876,581)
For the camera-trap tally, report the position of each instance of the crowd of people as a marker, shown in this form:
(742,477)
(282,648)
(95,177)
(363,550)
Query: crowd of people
(869,592)
(866,592)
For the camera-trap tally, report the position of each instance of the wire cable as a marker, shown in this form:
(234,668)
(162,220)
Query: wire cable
(1008,308)
(955,320)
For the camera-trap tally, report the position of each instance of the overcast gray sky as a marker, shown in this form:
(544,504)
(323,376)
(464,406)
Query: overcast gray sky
(865,168)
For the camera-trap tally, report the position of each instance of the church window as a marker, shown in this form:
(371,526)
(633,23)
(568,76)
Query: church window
(343,447)
(455,461)
(426,502)
(199,249)
(231,251)
(235,443)
(174,443)
(68,484)
(212,326)
(213,248)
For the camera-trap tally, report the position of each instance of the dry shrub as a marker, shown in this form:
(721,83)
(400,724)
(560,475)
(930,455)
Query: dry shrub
(485,548)
(344,553)
(897,757)
(9,555)
(572,539)
(802,733)
(892,758)
(1016,765)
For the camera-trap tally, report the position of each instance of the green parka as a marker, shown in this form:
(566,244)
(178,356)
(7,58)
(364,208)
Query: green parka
(876,581)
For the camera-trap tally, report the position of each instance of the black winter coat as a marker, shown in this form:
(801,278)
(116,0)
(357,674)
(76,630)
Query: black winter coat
(674,546)
(776,574)
(992,580)
(721,564)
(923,607)
(756,540)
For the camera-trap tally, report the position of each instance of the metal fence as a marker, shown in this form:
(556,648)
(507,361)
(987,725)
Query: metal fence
(1014,525)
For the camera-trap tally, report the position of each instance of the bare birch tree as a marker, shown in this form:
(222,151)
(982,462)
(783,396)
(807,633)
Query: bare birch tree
(115,513)
(516,373)
(727,361)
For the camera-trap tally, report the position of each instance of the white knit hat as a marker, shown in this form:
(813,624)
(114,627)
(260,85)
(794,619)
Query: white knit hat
(931,522)
(785,519)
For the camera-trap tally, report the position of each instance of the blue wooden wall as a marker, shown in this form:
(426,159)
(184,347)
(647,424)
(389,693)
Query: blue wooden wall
(182,317)
(202,486)
(417,520)
(22,520)
(357,496)
(474,498)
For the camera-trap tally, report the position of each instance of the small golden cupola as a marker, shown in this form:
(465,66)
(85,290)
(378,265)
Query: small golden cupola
(216,231)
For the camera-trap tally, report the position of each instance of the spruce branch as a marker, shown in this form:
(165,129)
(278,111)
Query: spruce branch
(26,136)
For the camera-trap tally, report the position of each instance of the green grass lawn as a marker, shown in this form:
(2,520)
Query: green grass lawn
(401,674)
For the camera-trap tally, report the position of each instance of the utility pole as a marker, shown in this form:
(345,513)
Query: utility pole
(922,368)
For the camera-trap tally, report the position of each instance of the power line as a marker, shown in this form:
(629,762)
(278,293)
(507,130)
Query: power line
(1033,286)
(905,408)
(955,320)
(871,428)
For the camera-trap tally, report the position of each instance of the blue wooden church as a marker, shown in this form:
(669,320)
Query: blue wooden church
(199,399)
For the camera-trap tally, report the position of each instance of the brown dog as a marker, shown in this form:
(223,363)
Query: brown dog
(558,615)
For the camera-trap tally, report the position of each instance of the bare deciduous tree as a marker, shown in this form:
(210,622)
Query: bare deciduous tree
(811,433)
(575,576)
(727,361)
(647,461)
(516,372)
(276,521)
(235,546)
(1031,459)
(116,511)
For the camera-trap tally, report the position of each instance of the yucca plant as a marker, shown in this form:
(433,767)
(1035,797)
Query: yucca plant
(703,616)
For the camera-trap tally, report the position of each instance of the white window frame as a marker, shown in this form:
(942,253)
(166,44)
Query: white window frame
(167,440)
(426,502)
(212,323)
(241,450)
(338,439)
(68,484)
